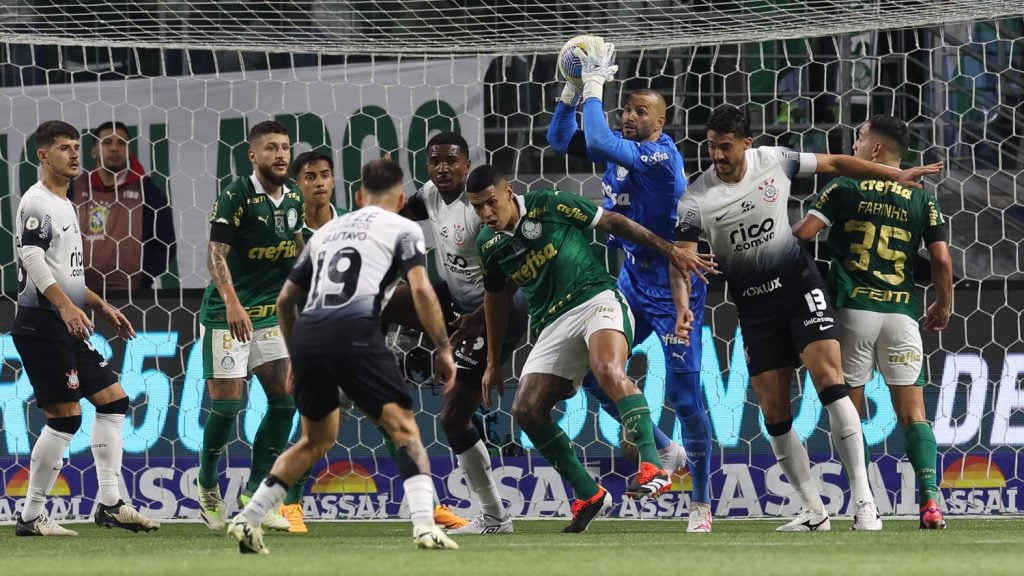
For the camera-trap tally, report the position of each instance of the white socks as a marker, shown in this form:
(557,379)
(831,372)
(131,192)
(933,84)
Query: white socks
(793,460)
(419,495)
(107,451)
(848,439)
(47,460)
(476,464)
(267,497)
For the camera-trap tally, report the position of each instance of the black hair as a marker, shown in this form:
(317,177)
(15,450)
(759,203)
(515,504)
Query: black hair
(729,119)
(309,158)
(380,176)
(893,129)
(449,139)
(48,132)
(266,127)
(112,125)
(483,177)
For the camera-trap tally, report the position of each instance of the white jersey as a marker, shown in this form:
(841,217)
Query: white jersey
(351,264)
(455,228)
(51,223)
(747,224)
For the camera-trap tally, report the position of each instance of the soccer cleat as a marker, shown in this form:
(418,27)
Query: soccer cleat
(249,538)
(271,520)
(122,515)
(584,511)
(649,481)
(43,525)
(673,457)
(444,517)
(432,538)
(865,517)
(931,517)
(485,524)
(211,506)
(807,521)
(700,518)
(293,513)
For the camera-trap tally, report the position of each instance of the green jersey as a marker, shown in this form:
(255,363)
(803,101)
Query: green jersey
(876,228)
(547,254)
(308,232)
(262,253)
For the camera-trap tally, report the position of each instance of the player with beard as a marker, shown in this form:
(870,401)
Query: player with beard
(255,237)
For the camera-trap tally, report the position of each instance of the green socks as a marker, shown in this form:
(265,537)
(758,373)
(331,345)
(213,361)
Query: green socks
(636,420)
(220,424)
(294,494)
(271,439)
(923,456)
(554,445)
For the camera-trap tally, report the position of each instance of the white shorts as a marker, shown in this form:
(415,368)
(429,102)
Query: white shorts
(890,342)
(224,357)
(562,346)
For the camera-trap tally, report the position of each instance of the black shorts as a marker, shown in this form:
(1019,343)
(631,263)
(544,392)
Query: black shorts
(779,323)
(62,368)
(470,367)
(359,364)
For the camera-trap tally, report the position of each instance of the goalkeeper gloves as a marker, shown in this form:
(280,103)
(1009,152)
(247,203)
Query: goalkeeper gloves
(597,69)
(571,92)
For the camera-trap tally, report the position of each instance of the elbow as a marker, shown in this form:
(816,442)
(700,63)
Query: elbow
(556,141)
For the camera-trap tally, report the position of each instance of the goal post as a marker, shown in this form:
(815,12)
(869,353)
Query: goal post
(359,79)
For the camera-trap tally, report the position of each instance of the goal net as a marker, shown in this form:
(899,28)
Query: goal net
(359,79)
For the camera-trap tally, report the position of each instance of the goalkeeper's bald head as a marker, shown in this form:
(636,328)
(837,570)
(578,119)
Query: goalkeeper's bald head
(654,97)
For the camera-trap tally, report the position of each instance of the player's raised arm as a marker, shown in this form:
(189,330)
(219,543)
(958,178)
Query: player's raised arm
(852,167)
(684,260)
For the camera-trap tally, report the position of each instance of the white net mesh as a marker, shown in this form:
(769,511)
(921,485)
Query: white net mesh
(960,86)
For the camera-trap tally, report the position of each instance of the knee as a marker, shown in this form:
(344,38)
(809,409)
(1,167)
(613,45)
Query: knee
(317,446)
(527,414)
(65,424)
(613,380)
(117,407)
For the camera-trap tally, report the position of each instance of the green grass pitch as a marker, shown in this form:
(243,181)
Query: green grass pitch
(538,548)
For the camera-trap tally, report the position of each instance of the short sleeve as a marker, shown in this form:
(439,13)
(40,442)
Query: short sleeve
(494,278)
(688,220)
(935,226)
(795,163)
(229,208)
(36,224)
(827,205)
(576,210)
(410,248)
(302,272)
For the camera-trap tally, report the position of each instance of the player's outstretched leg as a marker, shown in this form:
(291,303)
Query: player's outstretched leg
(673,456)
(686,396)
(456,418)
(219,425)
(47,460)
(107,451)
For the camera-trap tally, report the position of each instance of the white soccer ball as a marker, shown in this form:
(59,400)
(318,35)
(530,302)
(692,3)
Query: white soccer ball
(569,65)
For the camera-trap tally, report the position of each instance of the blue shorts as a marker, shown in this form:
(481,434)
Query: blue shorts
(654,311)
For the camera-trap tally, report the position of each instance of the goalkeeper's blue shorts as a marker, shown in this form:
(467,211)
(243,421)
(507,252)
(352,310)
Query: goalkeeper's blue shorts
(654,311)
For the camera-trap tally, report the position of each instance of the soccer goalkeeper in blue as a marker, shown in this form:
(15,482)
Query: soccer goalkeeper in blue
(644,180)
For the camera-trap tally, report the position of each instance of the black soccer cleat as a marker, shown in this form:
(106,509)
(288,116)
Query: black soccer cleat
(584,511)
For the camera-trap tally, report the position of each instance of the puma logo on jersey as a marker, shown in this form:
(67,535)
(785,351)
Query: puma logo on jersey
(263,219)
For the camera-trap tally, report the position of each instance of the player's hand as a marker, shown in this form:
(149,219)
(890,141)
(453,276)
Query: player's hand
(687,261)
(936,317)
(117,321)
(77,322)
(684,325)
(239,322)
(466,331)
(493,378)
(597,69)
(444,369)
(911,177)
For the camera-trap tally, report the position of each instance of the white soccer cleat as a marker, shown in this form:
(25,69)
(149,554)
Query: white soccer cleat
(700,518)
(275,521)
(432,538)
(43,525)
(485,524)
(249,538)
(807,521)
(865,517)
(673,457)
(211,506)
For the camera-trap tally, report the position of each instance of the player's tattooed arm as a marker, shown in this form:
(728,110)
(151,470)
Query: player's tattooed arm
(217,263)
(685,260)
